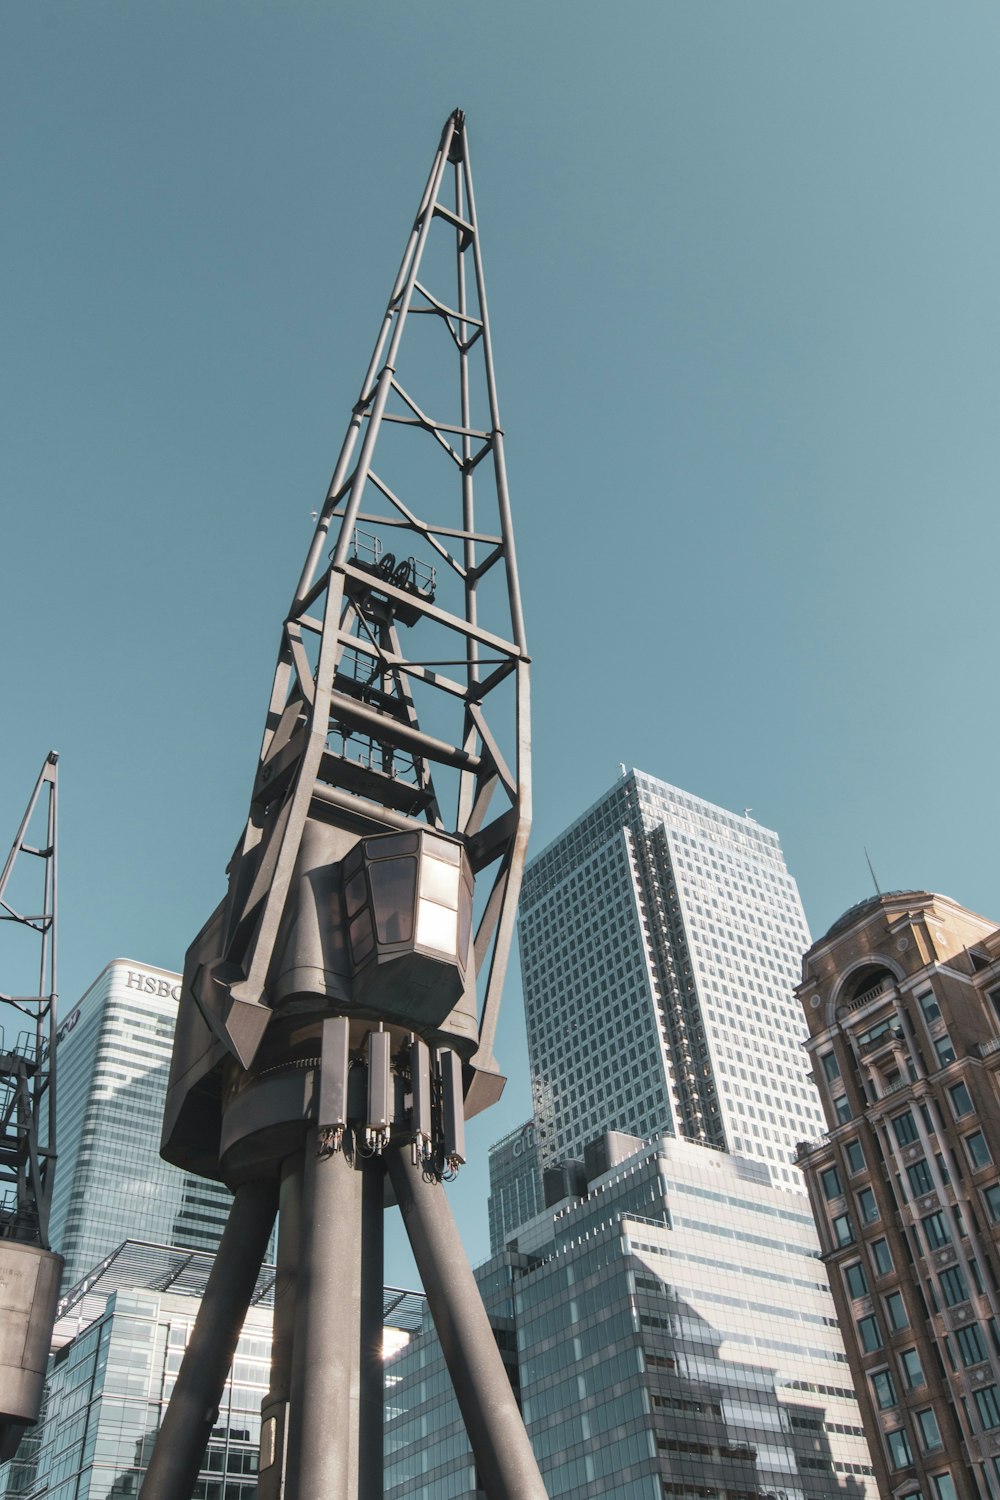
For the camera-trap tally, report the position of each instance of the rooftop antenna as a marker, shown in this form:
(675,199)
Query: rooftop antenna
(871,872)
(331,1035)
(29,1271)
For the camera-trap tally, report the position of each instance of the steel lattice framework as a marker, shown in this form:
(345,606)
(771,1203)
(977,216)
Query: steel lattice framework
(359,726)
(332,1033)
(27,1054)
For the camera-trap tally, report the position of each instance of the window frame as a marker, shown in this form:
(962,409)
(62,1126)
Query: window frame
(825,1060)
(971,1334)
(888,1384)
(831,1176)
(936,1241)
(854,1145)
(891,1301)
(904,1128)
(927,1000)
(875,1247)
(835,1223)
(985,1160)
(943,1044)
(900,1433)
(867,1205)
(953,1279)
(904,1364)
(988,1396)
(856,1269)
(920,1169)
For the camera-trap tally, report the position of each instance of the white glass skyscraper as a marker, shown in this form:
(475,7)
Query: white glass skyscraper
(661,941)
(111,1184)
(669,1321)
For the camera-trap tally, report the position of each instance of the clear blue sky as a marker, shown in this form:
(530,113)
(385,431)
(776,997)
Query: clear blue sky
(742,265)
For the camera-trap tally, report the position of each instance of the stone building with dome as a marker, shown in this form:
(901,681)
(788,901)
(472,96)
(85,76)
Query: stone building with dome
(902,1000)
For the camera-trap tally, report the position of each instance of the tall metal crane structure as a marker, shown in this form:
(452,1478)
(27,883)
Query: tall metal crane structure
(331,1040)
(29,1271)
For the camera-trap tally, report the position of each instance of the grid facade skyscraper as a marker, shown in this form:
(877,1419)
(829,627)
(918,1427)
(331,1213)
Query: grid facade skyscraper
(661,941)
(111,1183)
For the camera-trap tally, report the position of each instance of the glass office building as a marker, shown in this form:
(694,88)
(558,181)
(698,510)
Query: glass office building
(661,940)
(111,1184)
(671,1333)
(515,1183)
(119,1341)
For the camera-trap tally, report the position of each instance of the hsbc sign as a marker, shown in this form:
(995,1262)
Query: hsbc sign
(152,984)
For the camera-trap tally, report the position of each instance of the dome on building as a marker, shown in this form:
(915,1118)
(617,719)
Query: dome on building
(862,908)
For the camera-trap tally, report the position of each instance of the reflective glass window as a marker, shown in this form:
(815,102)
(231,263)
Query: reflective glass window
(953,1286)
(857,1281)
(895,1309)
(961,1100)
(929,1006)
(913,1370)
(393,883)
(831,1068)
(855,1156)
(843,1230)
(979,1152)
(971,1347)
(988,1406)
(945,1051)
(869,1333)
(885,1390)
(830,1180)
(904,1128)
(927,1427)
(882,1256)
(919,1178)
(867,1207)
(899,1449)
(936,1233)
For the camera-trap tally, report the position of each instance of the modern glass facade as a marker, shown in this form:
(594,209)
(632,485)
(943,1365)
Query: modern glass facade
(674,1335)
(119,1342)
(515,1183)
(661,940)
(111,1184)
(105,1397)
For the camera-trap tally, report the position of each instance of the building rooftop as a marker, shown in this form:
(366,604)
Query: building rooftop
(861,908)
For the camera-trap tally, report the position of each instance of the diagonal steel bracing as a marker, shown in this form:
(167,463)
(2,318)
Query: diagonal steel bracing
(400,695)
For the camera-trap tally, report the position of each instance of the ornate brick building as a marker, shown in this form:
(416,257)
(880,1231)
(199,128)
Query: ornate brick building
(902,998)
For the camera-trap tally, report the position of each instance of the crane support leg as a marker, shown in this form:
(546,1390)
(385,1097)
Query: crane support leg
(324,1352)
(493,1422)
(191,1414)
